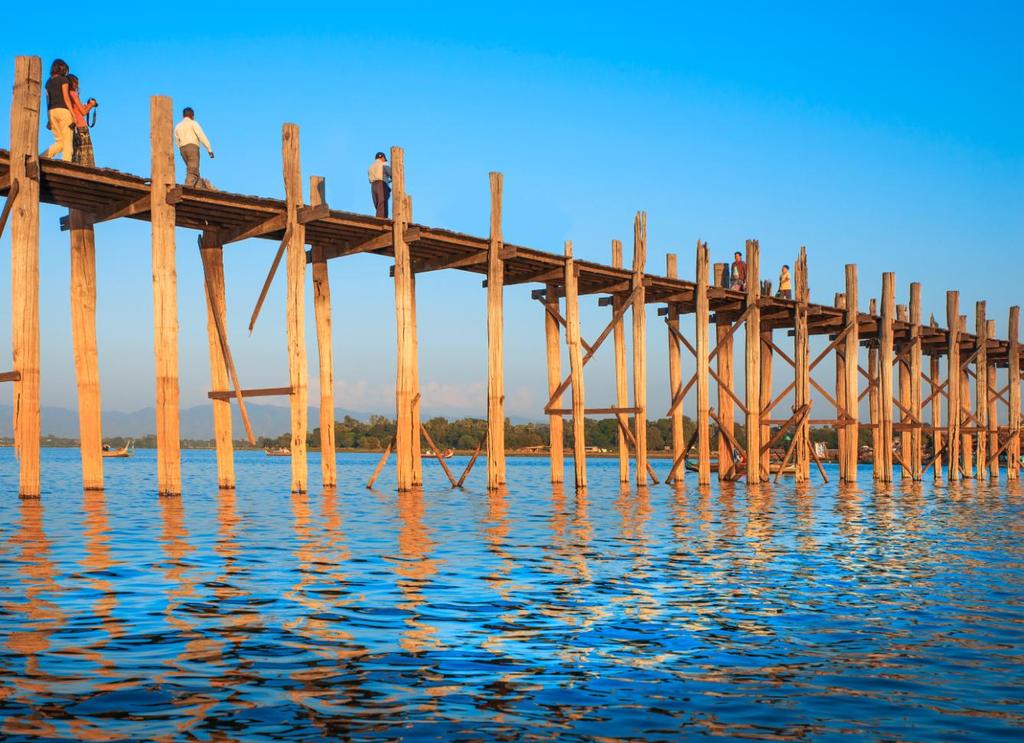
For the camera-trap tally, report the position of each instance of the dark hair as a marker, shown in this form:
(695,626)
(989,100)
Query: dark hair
(59,67)
(187,111)
(379,155)
(738,253)
(785,266)
(72,82)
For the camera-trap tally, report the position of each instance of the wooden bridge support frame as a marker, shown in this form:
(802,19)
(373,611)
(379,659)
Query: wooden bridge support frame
(916,459)
(993,450)
(556,423)
(25,270)
(801,355)
(953,386)
(165,299)
(981,404)
(851,370)
(753,363)
(966,437)
(886,358)
(325,346)
(725,370)
(298,372)
(904,383)
(639,346)
(702,312)
(83,335)
(572,339)
(621,381)
(675,366)
(874,402)
(495,352)
(1013,382)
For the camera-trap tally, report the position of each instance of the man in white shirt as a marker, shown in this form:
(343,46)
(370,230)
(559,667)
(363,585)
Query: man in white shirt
(189,135)
(380,184)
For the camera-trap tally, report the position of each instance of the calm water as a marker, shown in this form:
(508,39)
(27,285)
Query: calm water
(770,613)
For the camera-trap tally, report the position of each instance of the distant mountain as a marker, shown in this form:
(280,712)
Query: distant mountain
(196,421)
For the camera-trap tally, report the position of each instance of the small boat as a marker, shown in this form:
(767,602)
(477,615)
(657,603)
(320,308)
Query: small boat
(278,451)
(125,451)
(446,454)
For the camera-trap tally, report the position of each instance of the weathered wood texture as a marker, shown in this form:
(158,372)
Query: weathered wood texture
(639,346)
(572,336)
(765,386)
(981,388)
(966,437)
(216,314)
(934,386)
(621,380)
(406,436)
(495,347)
(753,363)
(325,345)
(165,299)
(885,377)
(874,405)
(801,373)
(852,353)
(675,371)
(916,460)
(1013,380)
(703,367)
(903,379)
(83,337)
(953,385)
(298,370)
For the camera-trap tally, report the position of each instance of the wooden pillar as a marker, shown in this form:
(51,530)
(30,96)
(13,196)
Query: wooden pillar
(753,362)
(993,410)
(725,367)
(801,356)
(298,372)
(554,357)
(967,439)
(165,299)
(903,375)
(953,384)
(406,439)
(621,382)
(852,353)
(675,371)
(1013,379)
(885,373)
(936,403)
(874,406)
(916,459)
(767,354)
(981,387)
(640,346)
(495,352)
(213,270)
(325,347)
(25,270)
(417,398)
(83,334)
(840,354)
(572,335)
(703,367)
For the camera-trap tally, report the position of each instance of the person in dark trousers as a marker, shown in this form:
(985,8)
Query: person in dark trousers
(380,184)
(785,284)
(58,105)
(189,135)
(738,273)
(82,140)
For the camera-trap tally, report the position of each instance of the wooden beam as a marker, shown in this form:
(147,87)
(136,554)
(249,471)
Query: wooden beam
(621,390)
(640,346)
(295,261)
(840,399)
(753,362)
(135,207)
(703,343)
(953,385)
(981,388)
(83,336)
(273,223)
(801,366)
(380,463)
(440,458)
(614,410)
(852,351)
(216,317)
(540,276)
(903,373)
(726,376)
(325,347)
(572,332)
(765,399)
(165,300)
(552,334)
(407,434)
(874,402)
(885,376)
(255,392)
(966,438)
(993,410)
(417,398)
(914,348)
(675,380)
(10,376)
(440,264)
(313,212)
(495,343)
(1013,379)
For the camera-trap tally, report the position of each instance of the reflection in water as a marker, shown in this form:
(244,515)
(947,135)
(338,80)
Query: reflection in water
(782,611)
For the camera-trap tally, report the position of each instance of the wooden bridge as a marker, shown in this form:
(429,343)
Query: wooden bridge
(966,437)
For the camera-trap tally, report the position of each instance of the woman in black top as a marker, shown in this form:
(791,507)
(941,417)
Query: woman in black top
(58,102)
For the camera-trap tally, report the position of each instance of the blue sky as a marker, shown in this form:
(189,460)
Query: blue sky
(886,136)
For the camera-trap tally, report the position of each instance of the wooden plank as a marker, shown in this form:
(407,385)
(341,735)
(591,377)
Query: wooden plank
(614,410)
(621,390)
(165,299)
(295,262)
(255,392)
(675,380)
(726,377)
(767,358)
(471,462)
(572,332)
(703,392)
(753,362)
(83,336)
(953,385)
(852,351)
(271,224)
(437,451)
(132,208)
(216,317)
(1013,379)
(915,350)
(495,347)
(325,348)
(639,312)
(313,212)
(981,388)
(936,417)
(10,376)
(554,367)
(417,400)
(440,264)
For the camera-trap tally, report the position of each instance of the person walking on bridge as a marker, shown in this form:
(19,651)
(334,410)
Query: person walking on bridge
(58,108)
(189,135)
(738,273)
(785,284)
(380,184)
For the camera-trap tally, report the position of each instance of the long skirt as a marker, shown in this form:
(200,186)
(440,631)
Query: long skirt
(82,141)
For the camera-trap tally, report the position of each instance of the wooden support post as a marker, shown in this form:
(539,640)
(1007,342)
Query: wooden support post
(953,385)
(936,403)
(639,346)
(552,334)
(767,355)
(1013,379)
(874,404)
(25,271)
(298,372)
(83,334)
(981,387)
(703,394)
(216,308)
(801,357)
(852,353)
(841,429)
(992,457)
(916,454)
(417,399)
(885,360)
(621,382)
(903,374)
(725,377)
(753,362)
(325,346)
(495,353)
(675,372)
(572,335)
(966,438)
(407,435)
(165,299)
